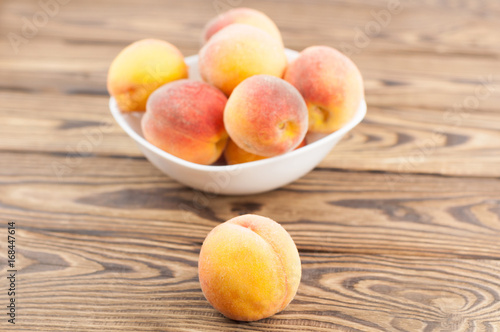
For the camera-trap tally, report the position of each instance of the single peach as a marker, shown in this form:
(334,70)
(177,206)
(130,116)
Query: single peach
(247,16)
(140,69)
(249,268)
(185,119)
(238,52)
(266,116)
(331,85)
(236,155)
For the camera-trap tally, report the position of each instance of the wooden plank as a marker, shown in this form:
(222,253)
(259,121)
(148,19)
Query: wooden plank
(413,46)
(333,211)
(399,140)
(85,280)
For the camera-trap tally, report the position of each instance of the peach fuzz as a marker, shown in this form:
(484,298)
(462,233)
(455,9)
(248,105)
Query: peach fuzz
(141,68)
(266,116)
(185,119)
(236,155)
(331,85)
(237,52)
(249,268)
(247,16)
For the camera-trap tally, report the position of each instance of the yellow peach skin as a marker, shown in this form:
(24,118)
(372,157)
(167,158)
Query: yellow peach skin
(331,85)
(185,119)
(249,268)
(236,155)
(266,116)
(247,16)
(237,52)
(141,68)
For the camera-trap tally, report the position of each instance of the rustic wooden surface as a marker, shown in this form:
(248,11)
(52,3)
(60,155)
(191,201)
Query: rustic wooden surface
(398,228)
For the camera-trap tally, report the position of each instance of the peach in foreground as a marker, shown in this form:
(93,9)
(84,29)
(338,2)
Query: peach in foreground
(249,268)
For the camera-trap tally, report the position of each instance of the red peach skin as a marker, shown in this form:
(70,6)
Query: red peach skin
(247,16)
(266,116)
(185,119)
(237,52)
(331,85)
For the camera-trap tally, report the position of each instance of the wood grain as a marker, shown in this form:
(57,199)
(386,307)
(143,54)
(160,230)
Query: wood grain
(117,281)
(397,228)
(333,211)
(394,140)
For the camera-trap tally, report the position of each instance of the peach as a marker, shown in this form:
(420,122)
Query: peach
(238,52)
(141,68)
(331,85)
(266,116)
(236,155)
(247,16)
(249,268)
(185,119)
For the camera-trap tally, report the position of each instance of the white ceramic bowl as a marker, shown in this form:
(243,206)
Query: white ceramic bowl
(242,179)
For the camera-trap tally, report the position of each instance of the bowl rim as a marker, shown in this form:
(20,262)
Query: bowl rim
(119,118)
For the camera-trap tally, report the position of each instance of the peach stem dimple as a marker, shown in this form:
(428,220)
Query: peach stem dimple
(321,113)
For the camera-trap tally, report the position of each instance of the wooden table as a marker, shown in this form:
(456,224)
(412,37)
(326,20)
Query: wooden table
(398,228)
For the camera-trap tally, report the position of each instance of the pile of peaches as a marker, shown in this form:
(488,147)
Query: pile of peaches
(252,103)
